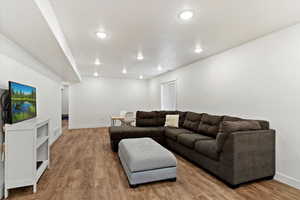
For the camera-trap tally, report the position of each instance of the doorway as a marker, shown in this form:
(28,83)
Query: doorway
(65,105)
(168,95)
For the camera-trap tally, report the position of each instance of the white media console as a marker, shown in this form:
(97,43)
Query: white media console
(26,153)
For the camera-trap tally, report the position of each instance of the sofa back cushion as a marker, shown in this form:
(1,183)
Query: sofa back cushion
(233,124)
(146,119)
(156,118)
(161,116)
(182,116)
(263,123)
(209,125)
(192,121)
(244,125)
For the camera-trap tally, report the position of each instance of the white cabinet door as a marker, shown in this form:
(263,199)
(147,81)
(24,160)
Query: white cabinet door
(20,161)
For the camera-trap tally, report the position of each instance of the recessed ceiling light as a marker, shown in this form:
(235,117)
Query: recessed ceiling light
(124,71)
(96,74)
(140,56)
(101,35)
(198,49)
(186,15)
(141,77)
(159,68)
(97,61)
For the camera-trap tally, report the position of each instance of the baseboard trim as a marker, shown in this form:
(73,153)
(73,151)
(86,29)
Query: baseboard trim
(91,125)
(287,180)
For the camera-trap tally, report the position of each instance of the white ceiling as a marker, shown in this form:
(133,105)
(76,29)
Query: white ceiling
(23,22)
(151,27)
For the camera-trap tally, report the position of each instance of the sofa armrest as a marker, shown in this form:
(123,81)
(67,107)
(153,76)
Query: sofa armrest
(248,155)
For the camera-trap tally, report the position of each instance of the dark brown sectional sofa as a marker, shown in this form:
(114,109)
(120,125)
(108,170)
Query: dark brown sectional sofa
(235,150)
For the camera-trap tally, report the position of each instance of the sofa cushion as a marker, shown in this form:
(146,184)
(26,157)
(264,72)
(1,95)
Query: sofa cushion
(189,139)
(192,121)
(233,126)
(146,119)
(263,123)
(231,118)
(144,154)
(228,127)
(209,125)
(120,132)
(207,148)
(172,133)
(146,115)
(161,117)
(182,116)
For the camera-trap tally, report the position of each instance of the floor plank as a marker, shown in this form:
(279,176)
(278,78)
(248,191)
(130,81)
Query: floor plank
(83,167)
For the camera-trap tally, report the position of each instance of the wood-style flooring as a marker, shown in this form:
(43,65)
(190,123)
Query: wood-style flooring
(83,167)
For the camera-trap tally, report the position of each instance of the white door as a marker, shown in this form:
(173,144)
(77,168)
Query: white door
(168,95)
(65,101)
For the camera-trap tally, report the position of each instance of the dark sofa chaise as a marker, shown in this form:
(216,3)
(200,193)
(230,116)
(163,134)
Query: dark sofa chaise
(235,150)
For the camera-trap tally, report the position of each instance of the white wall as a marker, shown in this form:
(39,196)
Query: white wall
(65,100)
(19,66)
(260,79)
(1,161)
(94,99)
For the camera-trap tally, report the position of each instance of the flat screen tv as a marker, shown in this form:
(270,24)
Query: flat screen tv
(22,102)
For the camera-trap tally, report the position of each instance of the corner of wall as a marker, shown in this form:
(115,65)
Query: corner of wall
(287,180)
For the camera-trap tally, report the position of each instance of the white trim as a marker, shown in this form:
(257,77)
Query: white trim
(90,125)
(51,19)
(287,180)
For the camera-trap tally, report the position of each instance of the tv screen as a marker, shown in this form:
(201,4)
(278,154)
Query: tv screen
(22,102)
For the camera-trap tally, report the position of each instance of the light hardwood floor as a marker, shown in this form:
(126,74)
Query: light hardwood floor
(83,167)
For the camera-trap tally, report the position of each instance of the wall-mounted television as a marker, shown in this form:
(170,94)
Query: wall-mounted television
(22,102)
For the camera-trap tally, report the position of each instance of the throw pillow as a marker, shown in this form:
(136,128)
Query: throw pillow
(172,121)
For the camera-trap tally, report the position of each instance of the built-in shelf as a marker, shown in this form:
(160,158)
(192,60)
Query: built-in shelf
(41,141)
(38,164)
(41,168)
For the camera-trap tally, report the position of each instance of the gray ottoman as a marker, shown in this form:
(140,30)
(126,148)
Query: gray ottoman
(144,161)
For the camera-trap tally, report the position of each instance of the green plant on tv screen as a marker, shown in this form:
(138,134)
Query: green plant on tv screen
(23,99)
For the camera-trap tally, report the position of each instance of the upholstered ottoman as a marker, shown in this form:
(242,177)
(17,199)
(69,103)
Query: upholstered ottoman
(144,161)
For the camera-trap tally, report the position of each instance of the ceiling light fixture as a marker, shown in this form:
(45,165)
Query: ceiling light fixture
(140,56)
(101,35)
(96,74)
(198,49)
(124,71)
(141,77)
(97,61)
(186,15)
(159,68)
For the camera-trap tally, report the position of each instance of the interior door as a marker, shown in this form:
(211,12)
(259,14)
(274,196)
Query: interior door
(168,96)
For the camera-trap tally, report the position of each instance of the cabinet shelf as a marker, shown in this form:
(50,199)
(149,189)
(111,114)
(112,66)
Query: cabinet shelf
(41,166)
(41,141)
(27,153)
